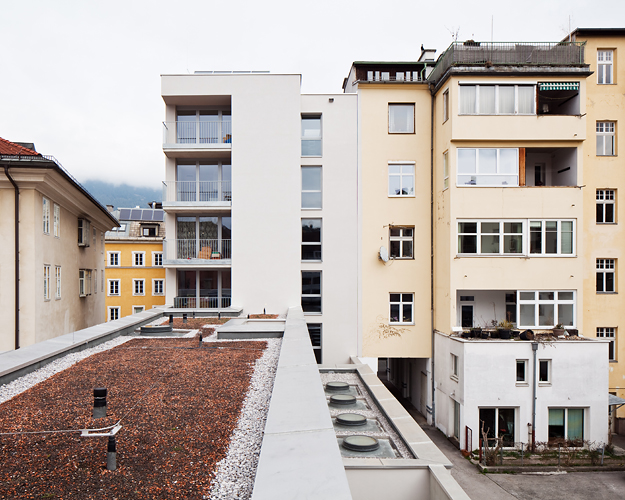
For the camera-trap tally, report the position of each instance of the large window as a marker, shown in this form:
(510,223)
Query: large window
(314,332)
(606,269)
(113,287)
(57,274)
(311,135)
(608,333)
(605,139)
(606,199)
(46,282)
(401,118)
(46,216)
(311,239)
(605,67)
(551,237)
(546,308)
(566,423)
(490,237)
(311,187)
(488,167)
(401,242)
(498,424)
(401,179)
(497,99)
(311,291)
(202,180)
(401,308)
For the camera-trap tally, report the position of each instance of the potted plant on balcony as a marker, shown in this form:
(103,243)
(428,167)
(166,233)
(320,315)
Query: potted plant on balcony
(505,329)
(558,330)
(475,332)
(572,331)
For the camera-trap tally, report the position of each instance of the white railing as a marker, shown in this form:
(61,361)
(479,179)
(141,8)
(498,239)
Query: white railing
(197,132)
(198,249)
(197,191)
(204,302)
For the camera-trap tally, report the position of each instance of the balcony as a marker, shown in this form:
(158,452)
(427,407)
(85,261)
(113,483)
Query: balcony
(197,252)
(202,302)
(197,135)
(193,194)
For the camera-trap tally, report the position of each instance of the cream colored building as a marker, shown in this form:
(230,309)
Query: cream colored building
(52,277)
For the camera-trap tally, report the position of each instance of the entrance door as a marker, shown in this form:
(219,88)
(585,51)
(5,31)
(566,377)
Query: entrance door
(467,316)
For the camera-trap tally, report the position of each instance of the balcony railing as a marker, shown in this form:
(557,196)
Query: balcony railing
(197,132)
(203,249)
(202,191)
(471,53)
(202,303)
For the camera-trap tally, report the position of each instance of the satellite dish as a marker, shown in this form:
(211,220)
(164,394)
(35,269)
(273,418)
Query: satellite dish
(383,254)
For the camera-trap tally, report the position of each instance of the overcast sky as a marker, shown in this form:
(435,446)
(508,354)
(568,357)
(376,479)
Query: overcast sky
(81,79)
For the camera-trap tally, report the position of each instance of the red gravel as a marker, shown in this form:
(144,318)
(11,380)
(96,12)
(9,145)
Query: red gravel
(263,316)
(170,442)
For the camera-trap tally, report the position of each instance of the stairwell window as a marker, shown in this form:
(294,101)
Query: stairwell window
(311,188)
(311,135)
(606,199)
(605,67)
(606,139)
(606,271)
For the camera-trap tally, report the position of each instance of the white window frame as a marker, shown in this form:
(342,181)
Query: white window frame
(446,170)
(305,138)
(57,221)
(402,174)
(410,129)
(474,176)
(549,364)
(84,229)
(537,302)
(502,236)
(543,232)
(113,313)
(405,299)
(46,215)
(320,190)
(605,267)
(84,282)
(138,284)
(609,333)
(138,259)
(156,287)
(605,197)
(525,363)
(401,238)
(497,87)
(445,105)
(57,276)
(604,130)
(137,307)
(114,288)
(113,259)
(605,67)
(46,282)
(157,259)
(455,367)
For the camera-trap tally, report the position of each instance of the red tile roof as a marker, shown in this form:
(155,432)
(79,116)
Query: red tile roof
(10,148)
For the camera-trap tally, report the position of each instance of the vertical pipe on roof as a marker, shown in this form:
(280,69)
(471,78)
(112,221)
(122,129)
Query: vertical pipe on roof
(17,258)
(432,249)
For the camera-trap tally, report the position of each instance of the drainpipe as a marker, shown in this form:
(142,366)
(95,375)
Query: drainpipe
(17,258)
(432,248)
(534,349)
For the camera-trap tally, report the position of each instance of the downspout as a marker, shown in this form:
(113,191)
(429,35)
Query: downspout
(534,349)
(432,248)
(17,258)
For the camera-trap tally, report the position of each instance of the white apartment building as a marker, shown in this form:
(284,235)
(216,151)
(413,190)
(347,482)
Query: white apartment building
(260,201)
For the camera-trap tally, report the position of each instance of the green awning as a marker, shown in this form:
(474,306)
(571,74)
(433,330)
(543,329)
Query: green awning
(558,86)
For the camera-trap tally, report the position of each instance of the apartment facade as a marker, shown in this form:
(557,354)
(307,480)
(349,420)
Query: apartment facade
(260,201)
(135,276)
(53,251)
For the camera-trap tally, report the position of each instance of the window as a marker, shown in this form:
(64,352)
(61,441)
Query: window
(498,424)
(101,242)
(400,179)
(605,67)
(490,237)
(314,332)
(311,135)
(158,287)
(102,280)
(46,282)
(456,420)
(137,309)
(545,308)
(610,334)
(566,423)
(488,167)
(401,242)
(311,291)
(138,287)
(454,367)
(401,308)
(605,275)
(521,371)
(95,280)
(544,371)
(57,274)
(497,99)
(94,235)
(84,282)
(84,227)
(311,239)
(200,180)
(551,237)
(157,259)
(57,221)
(401,118)
(445,105)
(138,259)
(311,187)
(605,139)
(149,231)
(606,206)
(558,98)
(113,313)
(113,287)
(113,259)
(445,170)
(46,216)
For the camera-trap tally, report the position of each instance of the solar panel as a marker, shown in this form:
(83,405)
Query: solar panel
(147,215)
(158,215)
(135,214)
(124,214)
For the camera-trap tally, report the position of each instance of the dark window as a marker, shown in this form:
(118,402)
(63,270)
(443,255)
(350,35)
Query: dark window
(311,239)
(314,331)
(311,291)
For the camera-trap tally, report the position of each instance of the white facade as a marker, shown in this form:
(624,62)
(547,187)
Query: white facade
(257,145)
(486,379)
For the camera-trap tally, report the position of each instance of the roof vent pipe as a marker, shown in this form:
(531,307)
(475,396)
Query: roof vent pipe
(99,402)
(111,454)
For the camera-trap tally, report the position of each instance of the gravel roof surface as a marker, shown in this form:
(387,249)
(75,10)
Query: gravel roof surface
(179,406)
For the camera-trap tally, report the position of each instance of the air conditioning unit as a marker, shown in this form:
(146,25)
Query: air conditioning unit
(84,230)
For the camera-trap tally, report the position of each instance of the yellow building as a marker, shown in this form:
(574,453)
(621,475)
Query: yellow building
(135,277)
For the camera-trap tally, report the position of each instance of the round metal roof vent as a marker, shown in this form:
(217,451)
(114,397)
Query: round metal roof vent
(337,386)
(360,443)
(343,399)
(351,419)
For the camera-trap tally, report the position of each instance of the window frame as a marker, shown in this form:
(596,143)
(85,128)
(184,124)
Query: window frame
(609,333)
(549,372)
(317,347)
(312,116)
(543,232)
(320,190)
(138,284)
(46,215)
(138,256)
(455,367)
(113,313)
(113,259)
(446,105)
(522,362)
(537,302)
(603,64)
(157,259)
(502,237)
(313,243)
(602,270)
(446,170)
(605,129)
(57,277)
(566,424)
(136,307)
(306,309)
(401,175)
(113,288)
(496,97)
(155,291)
(84,282)
(390,121)
(57,220)
(401,303)
(602,199)
(401,239)
(46,282)
(498,166)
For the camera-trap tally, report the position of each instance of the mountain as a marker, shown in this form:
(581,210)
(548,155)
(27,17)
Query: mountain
(122,195)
